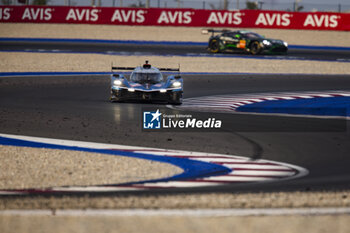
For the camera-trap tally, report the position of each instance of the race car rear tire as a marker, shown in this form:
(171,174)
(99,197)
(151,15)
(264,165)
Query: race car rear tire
(214,46)
(255,48)
(176,98)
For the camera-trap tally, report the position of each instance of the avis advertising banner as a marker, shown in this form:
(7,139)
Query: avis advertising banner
(176,17)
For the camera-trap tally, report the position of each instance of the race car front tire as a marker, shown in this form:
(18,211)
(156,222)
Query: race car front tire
(115,96)
(255,48)
(176,98)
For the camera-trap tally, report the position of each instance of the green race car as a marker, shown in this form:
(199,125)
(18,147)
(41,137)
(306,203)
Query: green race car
(246,41)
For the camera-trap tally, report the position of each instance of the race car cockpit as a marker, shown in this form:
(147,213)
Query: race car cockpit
(141,77)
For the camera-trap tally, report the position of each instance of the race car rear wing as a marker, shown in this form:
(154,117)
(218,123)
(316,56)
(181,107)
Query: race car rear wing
(132,68)
(169,69)
(146,65)
(212,31)
(122,68)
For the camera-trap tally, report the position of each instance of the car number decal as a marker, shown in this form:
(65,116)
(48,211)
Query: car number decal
(242,44)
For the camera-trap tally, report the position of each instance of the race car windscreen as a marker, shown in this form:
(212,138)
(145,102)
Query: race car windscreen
(252,35)
(146,77)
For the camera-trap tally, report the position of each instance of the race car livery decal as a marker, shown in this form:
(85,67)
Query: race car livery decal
(242,44)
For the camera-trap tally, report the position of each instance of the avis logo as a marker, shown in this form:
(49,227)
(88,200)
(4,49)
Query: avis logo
(151,120)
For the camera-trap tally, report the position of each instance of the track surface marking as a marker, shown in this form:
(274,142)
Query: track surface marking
(234,169)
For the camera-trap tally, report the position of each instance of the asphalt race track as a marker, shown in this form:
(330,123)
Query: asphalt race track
(78,108)
(166,49)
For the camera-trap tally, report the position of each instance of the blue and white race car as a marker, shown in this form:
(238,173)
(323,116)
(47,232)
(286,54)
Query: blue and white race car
(146,83)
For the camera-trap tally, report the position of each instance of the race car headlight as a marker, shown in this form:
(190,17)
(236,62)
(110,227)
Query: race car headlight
(266,42)
(285,44)
(117,82)
(131,89)
(162,90)
(177,84)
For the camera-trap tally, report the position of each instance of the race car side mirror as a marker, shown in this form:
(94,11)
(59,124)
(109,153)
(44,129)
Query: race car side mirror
(177,77)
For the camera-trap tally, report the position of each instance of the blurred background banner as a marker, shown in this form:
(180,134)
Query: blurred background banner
(340,6)
(176,17)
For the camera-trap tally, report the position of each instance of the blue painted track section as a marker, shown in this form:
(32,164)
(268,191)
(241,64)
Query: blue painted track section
(192,168)
(320,106)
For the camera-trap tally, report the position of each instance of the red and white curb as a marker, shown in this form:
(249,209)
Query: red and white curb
(243,169)
(229,103)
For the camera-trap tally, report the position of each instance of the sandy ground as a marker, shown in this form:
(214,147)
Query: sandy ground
(184,201)
(297,37)
(22,168)
(17,62)
(264,224)
(161,223)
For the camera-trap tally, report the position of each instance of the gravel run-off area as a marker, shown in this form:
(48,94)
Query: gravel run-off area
(24,168)
(183,201)
(38,62)
(175,224)
(162,223)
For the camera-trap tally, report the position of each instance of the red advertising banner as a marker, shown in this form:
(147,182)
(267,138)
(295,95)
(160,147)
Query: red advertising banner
(176,17)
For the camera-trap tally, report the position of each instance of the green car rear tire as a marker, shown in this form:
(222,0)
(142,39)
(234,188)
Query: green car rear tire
(214,46)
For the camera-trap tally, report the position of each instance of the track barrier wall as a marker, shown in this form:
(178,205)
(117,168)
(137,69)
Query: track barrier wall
(176,17)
